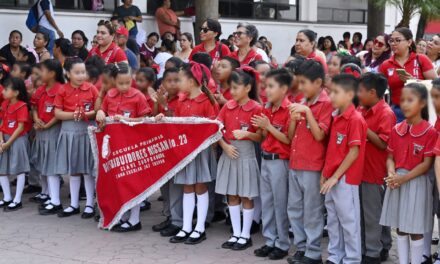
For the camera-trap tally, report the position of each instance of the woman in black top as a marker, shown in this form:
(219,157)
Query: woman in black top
(79,44)
(13,51)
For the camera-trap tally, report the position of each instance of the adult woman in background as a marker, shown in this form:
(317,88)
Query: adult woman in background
(329,48)
(209,35)
(244,39)
(62,50)
(186,46)
(79,44)
(13,51)
(107,48)
(148,50)
(433,52)
(421,46)
(41,41)
(380,52)
(305,46)
(405,64)
(166,19)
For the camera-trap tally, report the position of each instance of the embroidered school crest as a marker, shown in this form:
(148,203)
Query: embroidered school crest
(49,108)
(11,124)
(390,71)
(417,149)
(244,126)
(339,138)
(87,107)
(127,114)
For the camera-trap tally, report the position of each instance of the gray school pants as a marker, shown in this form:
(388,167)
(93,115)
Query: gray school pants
(371,208)
(172,202)
(306,211)
(343,223)
(273,194)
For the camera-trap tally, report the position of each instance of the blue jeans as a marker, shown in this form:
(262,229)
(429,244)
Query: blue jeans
(398,112)
(133,33)
(51,34)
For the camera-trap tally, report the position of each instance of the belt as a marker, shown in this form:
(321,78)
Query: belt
(270,156)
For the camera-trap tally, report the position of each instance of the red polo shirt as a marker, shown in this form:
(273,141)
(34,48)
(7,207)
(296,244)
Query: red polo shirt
(280,119)
(416,65)
(172,106)
(235,116)
(1,94)
(13,114)
(220,51)
(381,120)
(437,125)
(410,144)
(348,129)
(197,107)
(69,98)
(316,57)
(307,153)
(227,94)
(131,104)
(43,101)
(250,57)
(112,54)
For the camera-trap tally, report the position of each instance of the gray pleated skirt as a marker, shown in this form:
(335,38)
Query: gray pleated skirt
(43,150)
(199,170)
(16,159)
(239,176)
(409,207)
(74,152)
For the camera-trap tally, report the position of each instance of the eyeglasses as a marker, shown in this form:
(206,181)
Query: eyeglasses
(378,43)
(395,41)
(238,33)
(204,29)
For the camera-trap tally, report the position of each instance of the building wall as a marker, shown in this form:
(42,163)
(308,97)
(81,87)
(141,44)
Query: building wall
(281,34)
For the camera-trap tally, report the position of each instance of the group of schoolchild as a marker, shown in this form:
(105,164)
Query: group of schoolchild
(321,158)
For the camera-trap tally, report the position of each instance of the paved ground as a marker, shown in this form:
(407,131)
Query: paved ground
(26,237)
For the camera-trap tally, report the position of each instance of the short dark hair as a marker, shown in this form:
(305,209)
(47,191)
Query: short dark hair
(436,83)
(294,65)
(348,82)
(234,63)
(24,68)
(312,70)
(176,61)
(255,63)
(281,76)
(346,34)
(374,81)
(169,71)
(203,58)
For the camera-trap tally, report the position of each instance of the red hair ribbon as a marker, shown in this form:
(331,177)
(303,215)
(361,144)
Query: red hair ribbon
(197,70)
(156,68)
(5,68)
(252,72)
(352,71)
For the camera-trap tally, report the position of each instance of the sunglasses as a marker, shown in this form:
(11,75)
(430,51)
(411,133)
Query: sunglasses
(378,43)
(204,29)
(396,41)
(238,33)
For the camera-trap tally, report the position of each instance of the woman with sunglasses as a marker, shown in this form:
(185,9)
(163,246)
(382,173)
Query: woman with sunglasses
(245,38)
(404,65)
(379,53)
(186,46)
(209,36)
(305,46)
(107,48)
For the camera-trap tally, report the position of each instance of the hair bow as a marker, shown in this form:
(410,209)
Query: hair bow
(197,70)
(252,72)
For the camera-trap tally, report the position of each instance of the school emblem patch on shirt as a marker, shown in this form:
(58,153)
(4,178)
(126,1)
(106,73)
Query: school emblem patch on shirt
(244,126)
(339,138)
(417,149)
(390,71)
(87,107)
(11,123)
(127,114)
(49,108)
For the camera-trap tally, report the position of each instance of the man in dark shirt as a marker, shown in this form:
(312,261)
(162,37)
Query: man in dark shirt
(131,15)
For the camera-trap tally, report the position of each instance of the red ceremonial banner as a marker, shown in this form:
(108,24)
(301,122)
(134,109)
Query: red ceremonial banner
(135,159)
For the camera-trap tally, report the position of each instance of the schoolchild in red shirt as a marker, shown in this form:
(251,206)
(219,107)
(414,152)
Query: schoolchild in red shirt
(245,38)
(14,143)
(342,173)
(262,68)
(407,204)
(196,100)
(145,80)
(47,129)
(380,121)
(222,73)
(308,131)
(74,107)
(295,95)
(273,124)
(124,103)
(239,184)
(107,83)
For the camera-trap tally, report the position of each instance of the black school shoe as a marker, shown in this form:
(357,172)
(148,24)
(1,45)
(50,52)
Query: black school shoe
(178,239)
(85,215)
(298,256)
(63,214)
(145,206)
(54,210)
(277,254)
(264,251)
(162,226)
(39,198)
(255,228)
(32,189)
(307,260)
(170,231)
(14,207)
(427,260)
(4,203)
(384,254)
(237,246)
(197,240)
(130,228)
(228,244)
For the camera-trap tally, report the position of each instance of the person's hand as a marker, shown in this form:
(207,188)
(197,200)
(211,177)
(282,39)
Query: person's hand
(161,96)
(405,77)
(298,108)
(159,117)
(322,181)
(38,124)
(261,121)
(328,185)
(4,147)
(231,151)
(100,116)
(60,33)
(393,180)
(221,100)
(240,134)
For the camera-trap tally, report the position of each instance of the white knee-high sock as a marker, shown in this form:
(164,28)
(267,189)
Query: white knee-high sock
(257,209)
(427,237)
(6,187)
(89,184)
(248,216)
(202,211)
(417,251)
(75,184)
(403,249)
(134,215)
(54,187)
(21,178)
(44,185)
(189,203)
(234,212)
